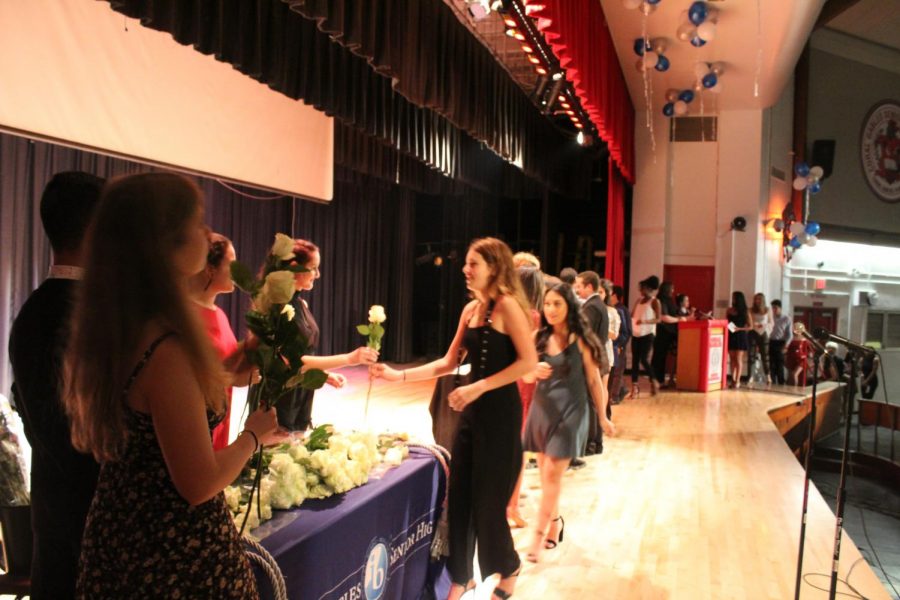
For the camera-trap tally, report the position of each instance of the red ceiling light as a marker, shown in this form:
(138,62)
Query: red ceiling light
(541,71)
(510,23)
(511,32)
(565,105)
(534,59)
(527,49)
(570,112)
(519,36)
(578,125)
(562,97)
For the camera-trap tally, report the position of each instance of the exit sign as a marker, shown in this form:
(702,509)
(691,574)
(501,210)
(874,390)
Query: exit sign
(820,284)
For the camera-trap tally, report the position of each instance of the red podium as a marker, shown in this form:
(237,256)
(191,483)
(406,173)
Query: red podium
(701,355)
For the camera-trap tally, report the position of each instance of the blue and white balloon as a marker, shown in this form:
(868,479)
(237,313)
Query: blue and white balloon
(686,96)
(710,80)
(662,65)
(698,12)
(668,109)
(801,169)
(697,42)
(812,228)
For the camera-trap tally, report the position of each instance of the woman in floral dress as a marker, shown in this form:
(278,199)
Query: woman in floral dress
(145,388)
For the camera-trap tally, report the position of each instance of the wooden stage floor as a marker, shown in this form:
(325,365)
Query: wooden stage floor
(698,497)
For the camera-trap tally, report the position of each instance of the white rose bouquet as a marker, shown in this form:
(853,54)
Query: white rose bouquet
(280,344)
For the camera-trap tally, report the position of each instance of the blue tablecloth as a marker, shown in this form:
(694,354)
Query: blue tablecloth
(371,543)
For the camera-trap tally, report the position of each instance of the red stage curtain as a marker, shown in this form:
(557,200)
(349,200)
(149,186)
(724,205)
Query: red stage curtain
(615,227)
(578,33)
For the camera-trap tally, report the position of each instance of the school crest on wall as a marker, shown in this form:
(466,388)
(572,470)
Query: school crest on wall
(879,147)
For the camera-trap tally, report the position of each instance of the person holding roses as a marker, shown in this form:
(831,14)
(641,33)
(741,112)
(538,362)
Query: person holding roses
(295,408)
(203,287)
(144,391)
(495,330)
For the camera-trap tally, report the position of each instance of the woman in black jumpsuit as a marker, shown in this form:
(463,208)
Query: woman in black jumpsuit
(495,332)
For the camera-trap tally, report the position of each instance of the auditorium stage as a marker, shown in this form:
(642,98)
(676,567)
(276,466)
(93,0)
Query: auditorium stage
(698,497)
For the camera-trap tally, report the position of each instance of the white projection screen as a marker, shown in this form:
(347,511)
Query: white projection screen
(75,72)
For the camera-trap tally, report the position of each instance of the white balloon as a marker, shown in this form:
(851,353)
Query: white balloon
(803,237)
(706,31)
(685,31)
(816,172)
(672,95)
(701,69)
(650,59)
(799,185)
(632,4)
(681,107)
(797,228)
(811,240)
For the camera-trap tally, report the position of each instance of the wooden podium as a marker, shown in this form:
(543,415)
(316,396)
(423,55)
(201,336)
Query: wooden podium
(701,355)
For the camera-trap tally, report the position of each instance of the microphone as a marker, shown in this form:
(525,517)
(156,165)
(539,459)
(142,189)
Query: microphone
(823,334)
(800,329)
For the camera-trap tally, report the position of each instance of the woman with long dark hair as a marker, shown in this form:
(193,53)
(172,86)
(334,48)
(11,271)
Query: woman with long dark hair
(739,324)
(645,315)
(145,389)
(495,331)
(557,427)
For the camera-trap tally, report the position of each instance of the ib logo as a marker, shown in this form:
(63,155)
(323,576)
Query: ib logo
(376,577)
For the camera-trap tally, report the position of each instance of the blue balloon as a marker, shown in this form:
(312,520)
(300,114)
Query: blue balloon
(710,80)
(697,12)
(686,96)
(668,109)
(697,42)
(640,46)
(801,169)
(815,187)
(795,242)
(812,228)
(662,64)
(652,1)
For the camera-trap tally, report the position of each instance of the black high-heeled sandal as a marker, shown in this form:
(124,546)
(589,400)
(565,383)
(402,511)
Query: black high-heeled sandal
(551,544)
(503,594)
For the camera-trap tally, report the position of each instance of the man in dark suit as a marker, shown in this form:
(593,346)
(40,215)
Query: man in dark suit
(62,479)
(594,310)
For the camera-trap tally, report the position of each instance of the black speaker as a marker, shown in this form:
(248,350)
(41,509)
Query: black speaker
(823,156)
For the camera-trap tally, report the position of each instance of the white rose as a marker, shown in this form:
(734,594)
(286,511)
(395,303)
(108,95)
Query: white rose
(289,311)
(376,314)
(283,247)
(279,287)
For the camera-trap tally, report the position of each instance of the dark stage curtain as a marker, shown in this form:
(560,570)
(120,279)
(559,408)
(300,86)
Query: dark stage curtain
(275,45)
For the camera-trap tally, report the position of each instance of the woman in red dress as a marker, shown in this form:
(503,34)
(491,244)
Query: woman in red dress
(203,288)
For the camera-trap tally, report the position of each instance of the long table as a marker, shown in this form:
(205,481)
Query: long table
(371,543)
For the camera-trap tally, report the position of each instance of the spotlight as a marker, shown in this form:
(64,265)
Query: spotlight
(510,23)
(738,224)
(557,76)
(584,139)
(527,49)
(541,71)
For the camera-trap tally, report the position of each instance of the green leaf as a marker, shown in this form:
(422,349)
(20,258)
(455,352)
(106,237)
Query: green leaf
(314,379)
(363,329)
(243,278)
(377,330)
(318,438)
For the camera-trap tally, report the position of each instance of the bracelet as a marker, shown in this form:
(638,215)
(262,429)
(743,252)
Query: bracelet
(255,440)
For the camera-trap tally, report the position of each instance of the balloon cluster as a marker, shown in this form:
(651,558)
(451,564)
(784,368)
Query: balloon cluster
(808,178)
(651,54)
(677,102)
(708,76)
(646,6)
(803,233)
(698,24)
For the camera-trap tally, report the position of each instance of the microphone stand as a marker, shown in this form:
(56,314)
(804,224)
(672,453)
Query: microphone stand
(841,494)
(810,435)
